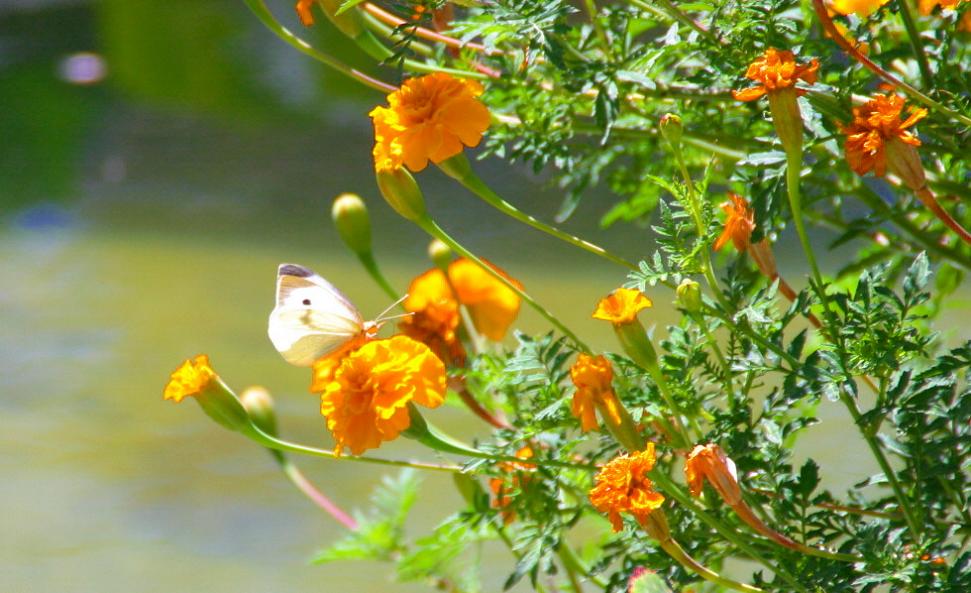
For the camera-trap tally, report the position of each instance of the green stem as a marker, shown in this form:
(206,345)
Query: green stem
(675,492)
(913,523)
(855,53)
(571,573)
(367,260)
(675,550)
(907,14)
(458,168)
(597,27)
(267,18)
(432,228)
(678,15)
(793,170)
(569,557)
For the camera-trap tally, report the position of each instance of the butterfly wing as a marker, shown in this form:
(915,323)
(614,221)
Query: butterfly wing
(311,318)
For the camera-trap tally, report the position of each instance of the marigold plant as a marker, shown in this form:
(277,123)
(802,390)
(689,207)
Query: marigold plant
(596,441)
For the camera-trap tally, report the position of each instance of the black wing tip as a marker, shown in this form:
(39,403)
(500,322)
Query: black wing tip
(293,270)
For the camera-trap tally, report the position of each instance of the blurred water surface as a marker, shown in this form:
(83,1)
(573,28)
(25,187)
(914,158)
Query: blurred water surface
(143,215)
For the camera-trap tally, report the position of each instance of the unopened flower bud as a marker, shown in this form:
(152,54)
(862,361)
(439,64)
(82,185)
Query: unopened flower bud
(440,254)
(904,161)
(353,223)
(259,404)
(402,193)
(689,295)
(787,118)
(671,128)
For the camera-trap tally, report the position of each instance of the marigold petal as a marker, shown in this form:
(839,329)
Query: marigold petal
(492,305)
(622,306)
(749,94)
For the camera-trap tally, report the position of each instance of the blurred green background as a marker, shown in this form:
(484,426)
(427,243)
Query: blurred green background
(158,159)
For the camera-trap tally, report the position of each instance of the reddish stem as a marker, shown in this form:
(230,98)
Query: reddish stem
(927,197)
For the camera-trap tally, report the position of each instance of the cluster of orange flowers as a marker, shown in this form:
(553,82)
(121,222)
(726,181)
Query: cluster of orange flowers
(622,486)
(515,479)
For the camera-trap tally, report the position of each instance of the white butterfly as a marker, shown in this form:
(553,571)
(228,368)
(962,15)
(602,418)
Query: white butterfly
(312,318)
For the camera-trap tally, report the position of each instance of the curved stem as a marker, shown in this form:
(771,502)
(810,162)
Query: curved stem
(432,228)
(855,53)
(675,550)
(927,197)
(679,16)
(367,260)
(266,17)
(673,490)
(458,168)
(298,479)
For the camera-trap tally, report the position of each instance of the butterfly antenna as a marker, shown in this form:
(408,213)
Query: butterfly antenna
(381,316)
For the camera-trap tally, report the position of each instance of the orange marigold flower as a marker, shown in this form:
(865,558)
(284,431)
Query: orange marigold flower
(303,11)
(322,372)
(874,125)
(435,316)
(190,379)
(623,487)
(593,376)
(738,225)
(430,117)
(710,462)
(515,479)
(776,70)
(861,8)
(622,306)
(492,305)
(367,401)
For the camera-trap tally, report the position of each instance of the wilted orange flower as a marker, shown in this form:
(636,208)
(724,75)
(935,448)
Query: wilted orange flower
(860,7)
(366,403)
(874,125)
(710,462)
(430,117)
(776,70)
(435,316)
(515,479)
(492,305)
(190,379)
(303,11)
(623,487)
(738,225)
(592,376)
(622,306)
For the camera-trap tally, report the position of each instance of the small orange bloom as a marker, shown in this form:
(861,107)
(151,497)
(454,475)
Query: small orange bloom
(303,11)
(190,379)
(862,8)
(623,487)
(492,305)
(516,478)
(592,376)
(430,117)
(776,70)
(622,306)
(435,318)
(875,125)
(739,224)
(367,400)
(710,462)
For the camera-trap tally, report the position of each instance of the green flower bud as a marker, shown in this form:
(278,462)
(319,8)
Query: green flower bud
(259,404)
(440,254)
(671,128)
(689,295)
(353,223)
(402,193)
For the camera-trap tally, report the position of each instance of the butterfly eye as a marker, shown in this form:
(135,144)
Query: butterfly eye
(306,302)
